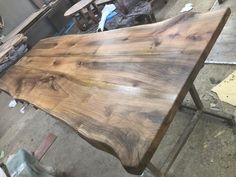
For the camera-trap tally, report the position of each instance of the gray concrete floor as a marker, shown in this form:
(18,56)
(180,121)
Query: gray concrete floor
(226,42)
(209,152)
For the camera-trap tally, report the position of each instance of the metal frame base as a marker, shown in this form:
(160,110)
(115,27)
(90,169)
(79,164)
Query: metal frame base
(162,171)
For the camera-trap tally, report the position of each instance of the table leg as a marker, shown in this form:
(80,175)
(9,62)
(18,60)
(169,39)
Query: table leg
(77,22)
(196,98)
(97,9)
(161,172)
(91,14)
(82,15)
(182,139)
(199,105)
(234,122)
(225,117)
(86,20)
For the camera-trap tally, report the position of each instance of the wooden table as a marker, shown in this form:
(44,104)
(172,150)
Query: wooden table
(120,89)
(79,7)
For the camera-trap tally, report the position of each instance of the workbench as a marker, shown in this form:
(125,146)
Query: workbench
(120,89)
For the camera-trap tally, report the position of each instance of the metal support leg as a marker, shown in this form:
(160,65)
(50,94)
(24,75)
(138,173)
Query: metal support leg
(181,142)
(234,122)
(199,105)
(155,171)
(82,15)
(196,98)
(177,148)
(182,139)
(226,117)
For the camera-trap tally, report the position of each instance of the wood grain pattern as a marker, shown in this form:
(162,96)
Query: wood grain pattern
(119,89)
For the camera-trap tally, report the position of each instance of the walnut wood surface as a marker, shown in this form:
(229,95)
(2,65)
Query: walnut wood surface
(119,89)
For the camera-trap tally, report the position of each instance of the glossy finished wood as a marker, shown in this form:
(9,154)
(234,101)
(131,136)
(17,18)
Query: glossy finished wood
(119,89)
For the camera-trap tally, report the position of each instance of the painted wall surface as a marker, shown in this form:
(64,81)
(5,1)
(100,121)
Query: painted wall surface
(15,12)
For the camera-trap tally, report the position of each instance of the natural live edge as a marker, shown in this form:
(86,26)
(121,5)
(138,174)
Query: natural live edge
(119,89)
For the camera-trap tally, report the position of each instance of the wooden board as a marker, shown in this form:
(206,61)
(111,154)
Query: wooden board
(119,89)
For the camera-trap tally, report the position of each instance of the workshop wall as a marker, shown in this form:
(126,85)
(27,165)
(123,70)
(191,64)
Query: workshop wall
(15,12)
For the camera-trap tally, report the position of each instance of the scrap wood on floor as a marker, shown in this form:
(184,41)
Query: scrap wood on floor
(174,7)
(127,13)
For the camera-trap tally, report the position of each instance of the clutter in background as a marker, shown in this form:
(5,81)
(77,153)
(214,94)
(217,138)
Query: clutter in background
(136,12)
(107,10)
(114,16)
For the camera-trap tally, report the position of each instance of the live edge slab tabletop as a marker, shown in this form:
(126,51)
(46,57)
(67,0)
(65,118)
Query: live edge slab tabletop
(120,89)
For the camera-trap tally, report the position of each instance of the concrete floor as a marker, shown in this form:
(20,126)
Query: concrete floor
(226,42)
(209,152)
